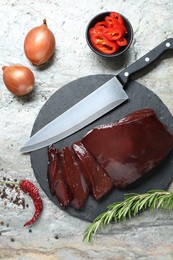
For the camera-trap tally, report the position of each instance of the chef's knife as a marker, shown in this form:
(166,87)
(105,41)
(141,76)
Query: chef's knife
(98,103)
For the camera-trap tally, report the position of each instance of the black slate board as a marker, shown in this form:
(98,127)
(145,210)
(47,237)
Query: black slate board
(139,97)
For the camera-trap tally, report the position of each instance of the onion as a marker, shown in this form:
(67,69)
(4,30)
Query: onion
(39,44)
(18,79)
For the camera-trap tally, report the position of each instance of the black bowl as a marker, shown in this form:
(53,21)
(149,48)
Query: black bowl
(100,17)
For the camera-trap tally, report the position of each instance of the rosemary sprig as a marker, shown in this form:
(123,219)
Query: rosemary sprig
(132,204)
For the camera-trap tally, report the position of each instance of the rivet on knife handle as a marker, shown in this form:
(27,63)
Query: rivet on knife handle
(146,60)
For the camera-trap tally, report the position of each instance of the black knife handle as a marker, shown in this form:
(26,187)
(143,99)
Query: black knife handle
(144,61)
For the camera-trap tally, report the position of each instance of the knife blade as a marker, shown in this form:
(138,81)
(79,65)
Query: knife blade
(108,96)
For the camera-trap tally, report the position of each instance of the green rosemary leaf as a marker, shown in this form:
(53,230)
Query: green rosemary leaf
(160,203)
(156,191)
(109,207)
(105,217)
(132,204)
(143,203)
(89,232)
(135,208)
(99,217)
(151,202)
(110,217)
(125,209)
(130,195)
(169,202)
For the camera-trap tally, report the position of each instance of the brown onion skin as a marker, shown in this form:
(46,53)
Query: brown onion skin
(39,44)
(18,79)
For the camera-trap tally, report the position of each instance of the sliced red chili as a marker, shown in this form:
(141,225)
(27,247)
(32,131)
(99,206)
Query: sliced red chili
(93,31)
(98,28)
(113,33)
(123,28)
(110,21)
(117,17)
(102,23)
(108,35)
(103,45)
(122,41)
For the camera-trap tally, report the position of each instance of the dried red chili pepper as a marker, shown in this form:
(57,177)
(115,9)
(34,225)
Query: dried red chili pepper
(29,188)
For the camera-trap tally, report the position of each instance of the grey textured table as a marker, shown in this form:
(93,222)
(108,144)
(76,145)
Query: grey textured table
(57,235)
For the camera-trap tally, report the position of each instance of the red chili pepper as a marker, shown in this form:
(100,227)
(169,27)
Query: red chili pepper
(96,30)
(105,34)
(122,41)
(103,45)
(29,188)
(102,23)
(117,17)
(113,33)
(92,31)
(123,28)
(110,21)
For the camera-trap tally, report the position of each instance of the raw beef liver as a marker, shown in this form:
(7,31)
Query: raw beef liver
(52,169)
(74,178)
(116,154)
(56,180)
(96,177)
(130,147)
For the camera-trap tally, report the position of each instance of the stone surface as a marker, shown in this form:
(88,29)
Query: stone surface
(149,235)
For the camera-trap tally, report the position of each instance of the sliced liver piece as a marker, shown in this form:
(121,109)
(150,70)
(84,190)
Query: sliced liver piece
(74,178)
(52,169)
(96,177)
(130,147)
(56,180)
